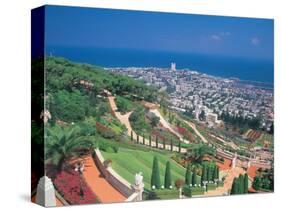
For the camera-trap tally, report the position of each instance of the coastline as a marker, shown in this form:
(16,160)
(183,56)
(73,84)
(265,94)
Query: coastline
(246,69)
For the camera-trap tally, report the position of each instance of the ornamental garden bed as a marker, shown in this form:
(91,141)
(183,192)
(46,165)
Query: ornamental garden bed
(74,189)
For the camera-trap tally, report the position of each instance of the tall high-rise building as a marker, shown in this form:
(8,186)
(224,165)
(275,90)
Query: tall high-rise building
(173,66)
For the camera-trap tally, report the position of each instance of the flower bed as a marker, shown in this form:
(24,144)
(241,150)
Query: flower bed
(74,189)
(105,131)
(253,135)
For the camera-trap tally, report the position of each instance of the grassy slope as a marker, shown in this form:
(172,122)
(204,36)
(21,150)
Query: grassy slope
(128,162)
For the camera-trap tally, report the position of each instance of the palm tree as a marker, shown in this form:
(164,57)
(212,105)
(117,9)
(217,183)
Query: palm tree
(64,143)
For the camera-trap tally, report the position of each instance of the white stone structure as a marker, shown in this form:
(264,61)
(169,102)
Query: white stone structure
(45,194)
(249,164)
(45,115)
(139,186)
(173,66)
(234,161)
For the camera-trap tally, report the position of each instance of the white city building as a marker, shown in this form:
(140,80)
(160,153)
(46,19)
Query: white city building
(173,66)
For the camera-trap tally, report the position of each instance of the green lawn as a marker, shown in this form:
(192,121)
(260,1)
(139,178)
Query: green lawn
(128,162)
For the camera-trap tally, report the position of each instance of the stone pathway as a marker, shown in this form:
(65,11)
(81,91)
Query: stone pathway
(190,124)
(105,192)
(124,119)
(167,125)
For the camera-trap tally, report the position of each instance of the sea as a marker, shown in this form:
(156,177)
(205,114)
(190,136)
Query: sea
(248,69)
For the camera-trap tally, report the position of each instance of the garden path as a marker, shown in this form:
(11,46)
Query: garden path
(124,119)
(105,192)
(190,124)
(167,125)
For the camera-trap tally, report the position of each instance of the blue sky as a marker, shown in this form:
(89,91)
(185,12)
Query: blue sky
(105,28)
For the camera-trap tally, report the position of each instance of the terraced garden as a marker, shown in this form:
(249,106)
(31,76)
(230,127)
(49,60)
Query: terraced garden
(127,162)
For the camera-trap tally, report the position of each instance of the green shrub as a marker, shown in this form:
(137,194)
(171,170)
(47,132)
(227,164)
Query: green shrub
(124,105)
(110,149)
(191,191)
(167,193)
(220,183)
(211,186)
(187,191)
(87,128)
(106,147)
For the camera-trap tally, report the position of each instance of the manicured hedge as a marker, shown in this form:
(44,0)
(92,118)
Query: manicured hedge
(107,147)
(191,191)
(167,193)
(211,186)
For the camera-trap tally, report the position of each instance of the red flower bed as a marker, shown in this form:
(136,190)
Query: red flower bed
(181,130)
(74,189)
(158,135)
(104,130)
(253,135)
(186,133)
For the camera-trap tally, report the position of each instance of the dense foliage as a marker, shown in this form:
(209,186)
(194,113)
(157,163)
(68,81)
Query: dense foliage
(123,104)
(73,89)
(240,121)
(138,122)
(64,143)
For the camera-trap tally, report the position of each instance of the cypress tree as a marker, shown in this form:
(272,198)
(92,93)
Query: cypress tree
(257,183)
(215,174)
(137,138)
(132,138)
(241,184)
(194,178)
(209,173)
(235,186)
(156,142)
(179,146)
(246,183)
(171,145)
(168,178)
(188,175)
(164,145)
(143,139)
(149,140)
(155,176)
(204,173)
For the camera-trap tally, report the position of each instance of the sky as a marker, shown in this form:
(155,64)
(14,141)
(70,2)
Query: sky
(202,34)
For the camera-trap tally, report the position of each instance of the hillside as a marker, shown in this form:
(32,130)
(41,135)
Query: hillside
(73,90)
